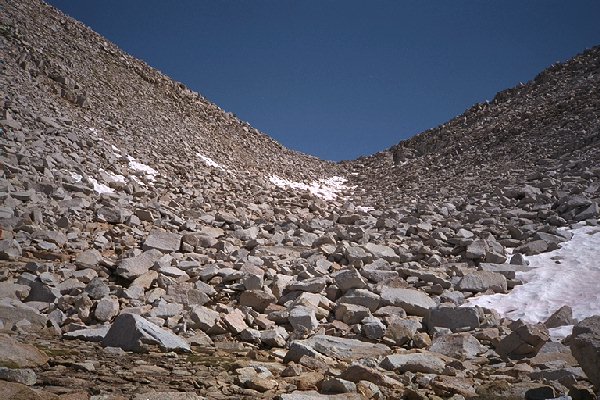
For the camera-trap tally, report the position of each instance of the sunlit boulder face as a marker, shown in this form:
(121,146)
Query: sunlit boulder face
(139,221)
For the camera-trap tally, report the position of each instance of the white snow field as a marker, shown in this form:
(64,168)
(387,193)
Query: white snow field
(567,276)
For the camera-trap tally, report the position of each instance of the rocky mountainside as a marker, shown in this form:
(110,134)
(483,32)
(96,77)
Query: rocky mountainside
(154,246)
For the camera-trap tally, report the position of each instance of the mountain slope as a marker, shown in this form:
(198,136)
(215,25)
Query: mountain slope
(536,127)
(137,218)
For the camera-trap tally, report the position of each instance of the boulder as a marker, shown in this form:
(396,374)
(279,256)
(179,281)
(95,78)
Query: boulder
(341,348)
(562,316)
(133,267)
(413,301)
(133,332)
(454,318)
(585,346)
(166,242)
(457,345)
(524,340)
(14,354)
(426,362)
(480,281)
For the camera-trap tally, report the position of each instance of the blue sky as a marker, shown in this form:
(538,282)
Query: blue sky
(340,79)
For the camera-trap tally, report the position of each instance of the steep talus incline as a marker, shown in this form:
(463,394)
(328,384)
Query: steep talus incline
(137,218)
(539,127)
(63,70)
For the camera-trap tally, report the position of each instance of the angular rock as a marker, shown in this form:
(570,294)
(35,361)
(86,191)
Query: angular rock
(88,334)
(562,316)
(524,340)
(166,242)
(427,363)
(585,346)
(10,250)
(413,301)
(349,279)
(457,345)
(454,318)
(13,312)
(303,319)
(480,281)
(25,376)
(133,267)
(256,299)
(106,309)
(14,354)
(342,348)
(133,333)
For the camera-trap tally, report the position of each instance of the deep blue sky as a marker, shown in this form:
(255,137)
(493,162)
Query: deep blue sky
(344,78)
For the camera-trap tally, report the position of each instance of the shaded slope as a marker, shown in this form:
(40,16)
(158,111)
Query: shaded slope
(551,121)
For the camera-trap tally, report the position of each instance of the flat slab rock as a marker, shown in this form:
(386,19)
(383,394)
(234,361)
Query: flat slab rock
(133,332)
(14,354)
(412,301)
(168,396)
(89,334)
(342,348)
(426,362)
(314,395)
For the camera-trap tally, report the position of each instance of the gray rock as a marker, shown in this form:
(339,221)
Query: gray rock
(13,312)
(585,346)
(154,395)
(590,212)
(97,289)
(349,279)
(166,242)
(106,309)
(10,250)
(454,318)
(457,345)
(256,299)
(507,270)
(413,301)
(401,330)
(518,259)
(533,247)
(25,376)
(337,385)
(312,285)
(112,215)
(303,319)
(381,251)
(340,348)
(133,332)
(133,267)
(314,395)
(477,250)
(88,334)
(480,281)
(204,318)
(426,362)
(524,340)
(351,313)
(373,328)
(361,297)
(562,316)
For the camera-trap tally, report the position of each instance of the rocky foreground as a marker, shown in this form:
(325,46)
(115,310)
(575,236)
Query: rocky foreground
(155,247)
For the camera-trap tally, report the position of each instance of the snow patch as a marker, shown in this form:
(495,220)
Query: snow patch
(567,276)
(76,177)
(100,187)
(146,169)
(365,208)
(210,162)
(326,189)
(116,177)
